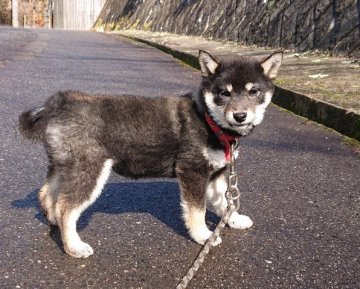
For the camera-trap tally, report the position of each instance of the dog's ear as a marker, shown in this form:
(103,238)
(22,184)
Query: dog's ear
(208,64)
(271,64)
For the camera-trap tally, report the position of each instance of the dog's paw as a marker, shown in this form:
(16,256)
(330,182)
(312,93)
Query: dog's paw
(202,235)
(51,220)
(50,217)
(237,221)
(79,249)
(217,241)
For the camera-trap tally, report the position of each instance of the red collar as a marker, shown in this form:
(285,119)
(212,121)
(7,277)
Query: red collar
(225,138)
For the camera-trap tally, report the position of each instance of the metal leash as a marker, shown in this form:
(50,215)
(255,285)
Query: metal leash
(232,196)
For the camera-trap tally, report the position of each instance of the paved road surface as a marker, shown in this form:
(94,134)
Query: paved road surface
(300,185)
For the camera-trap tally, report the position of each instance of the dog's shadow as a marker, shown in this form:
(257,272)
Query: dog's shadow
(159,198)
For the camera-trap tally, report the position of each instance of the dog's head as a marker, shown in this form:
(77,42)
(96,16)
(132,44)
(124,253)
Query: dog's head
(236,93)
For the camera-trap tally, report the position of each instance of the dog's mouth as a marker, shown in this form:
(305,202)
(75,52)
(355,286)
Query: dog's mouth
(241,124)
(242,128)
(235,124)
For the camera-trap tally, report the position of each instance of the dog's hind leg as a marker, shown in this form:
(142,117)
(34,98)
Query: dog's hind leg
(216,202)
(192,187)
(78,190)
(48,195)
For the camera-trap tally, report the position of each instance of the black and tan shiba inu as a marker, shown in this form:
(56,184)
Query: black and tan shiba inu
(185,137)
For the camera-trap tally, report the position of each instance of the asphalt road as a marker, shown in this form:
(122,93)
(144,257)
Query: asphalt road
(299,184)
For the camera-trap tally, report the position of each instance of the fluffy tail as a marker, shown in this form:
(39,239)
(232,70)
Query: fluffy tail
(32,123)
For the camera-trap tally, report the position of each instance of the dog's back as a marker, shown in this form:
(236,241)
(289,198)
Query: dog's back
(142,135)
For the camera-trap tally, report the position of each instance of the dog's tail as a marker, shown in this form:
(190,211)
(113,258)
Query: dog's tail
(32,123)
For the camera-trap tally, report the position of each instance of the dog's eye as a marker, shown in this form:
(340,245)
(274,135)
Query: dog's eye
(253,92)
(225,93)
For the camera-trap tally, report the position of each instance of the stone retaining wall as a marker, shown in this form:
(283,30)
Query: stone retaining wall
(332,25)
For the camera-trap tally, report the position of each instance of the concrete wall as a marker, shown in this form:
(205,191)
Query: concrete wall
(332,25)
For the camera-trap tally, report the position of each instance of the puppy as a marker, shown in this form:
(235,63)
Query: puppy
(86,137)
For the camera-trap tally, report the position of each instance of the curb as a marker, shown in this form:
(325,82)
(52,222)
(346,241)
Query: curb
(343,121)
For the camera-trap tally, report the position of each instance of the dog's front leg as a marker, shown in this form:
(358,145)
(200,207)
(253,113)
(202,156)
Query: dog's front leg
(193,187)
(216,202)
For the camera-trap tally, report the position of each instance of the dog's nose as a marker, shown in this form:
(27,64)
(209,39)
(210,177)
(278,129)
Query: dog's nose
(240,116)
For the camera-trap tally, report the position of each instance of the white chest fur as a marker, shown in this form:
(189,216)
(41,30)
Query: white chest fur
(217,158)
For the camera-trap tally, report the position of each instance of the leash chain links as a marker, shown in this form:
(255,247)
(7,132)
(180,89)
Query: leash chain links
(233,203)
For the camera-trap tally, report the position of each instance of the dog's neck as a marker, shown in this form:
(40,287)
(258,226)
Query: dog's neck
(198,99)
(226,139)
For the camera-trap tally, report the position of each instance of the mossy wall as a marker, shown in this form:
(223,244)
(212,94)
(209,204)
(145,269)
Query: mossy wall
(332,25)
